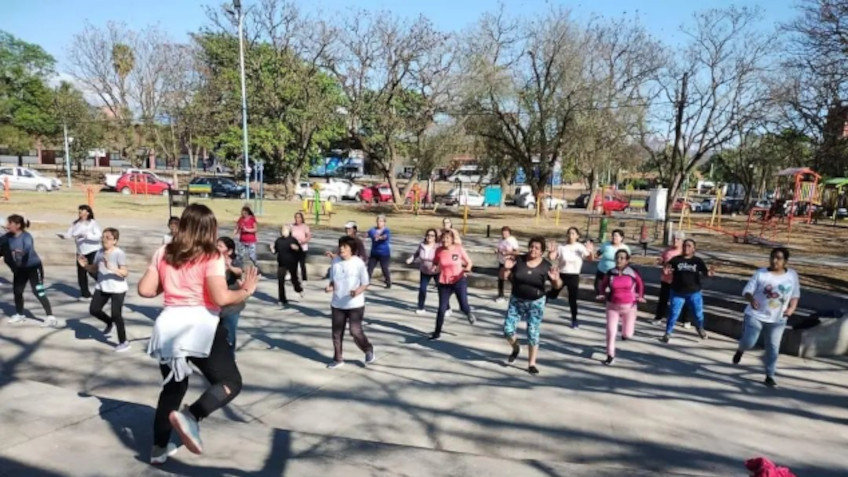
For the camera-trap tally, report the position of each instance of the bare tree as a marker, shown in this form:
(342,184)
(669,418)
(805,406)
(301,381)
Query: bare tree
(707,93)
(390,72)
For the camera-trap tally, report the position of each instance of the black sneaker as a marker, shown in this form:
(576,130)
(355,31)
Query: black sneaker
(575,324)
(737,357)
(515,350)
(665,338)
(435,336)
(388,285)
(703,333)
(108,330)
(609,360)
(533,370)
(471,318)
(770,382)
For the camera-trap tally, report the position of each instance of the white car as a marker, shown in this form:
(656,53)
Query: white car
(464,197)
(305,190)
(527,201)
(342,188)
(27,179)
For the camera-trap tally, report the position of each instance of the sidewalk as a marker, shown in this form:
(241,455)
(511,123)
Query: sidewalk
(72,407)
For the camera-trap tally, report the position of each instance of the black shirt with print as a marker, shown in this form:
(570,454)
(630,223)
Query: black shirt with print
(686,274)
(529,283)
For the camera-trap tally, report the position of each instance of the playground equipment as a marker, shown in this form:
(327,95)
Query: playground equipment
(835,197)
(796,196)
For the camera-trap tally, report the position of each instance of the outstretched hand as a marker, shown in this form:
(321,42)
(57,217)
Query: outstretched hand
(600,297)
(250,279)
(509,262)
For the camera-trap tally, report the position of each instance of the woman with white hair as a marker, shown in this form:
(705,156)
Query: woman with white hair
(288,251)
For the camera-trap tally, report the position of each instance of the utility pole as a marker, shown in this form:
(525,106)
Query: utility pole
(67,153)
(237,5)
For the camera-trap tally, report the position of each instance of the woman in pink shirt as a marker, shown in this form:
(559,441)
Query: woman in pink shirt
(665,279)
(301,232)
(246,233)
(454,265)
(625,290)
(190,272)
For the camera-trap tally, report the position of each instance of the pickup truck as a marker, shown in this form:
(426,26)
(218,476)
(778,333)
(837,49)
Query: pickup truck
(111,180)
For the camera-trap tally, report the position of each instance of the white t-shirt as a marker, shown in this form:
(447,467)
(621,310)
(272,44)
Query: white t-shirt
(571,258)
(773,293)
(107,281)
(86,234)
(348,275)
(167,238)
(509,244)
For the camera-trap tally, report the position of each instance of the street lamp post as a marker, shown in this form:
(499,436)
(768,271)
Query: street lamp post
(67,153)
(237,5)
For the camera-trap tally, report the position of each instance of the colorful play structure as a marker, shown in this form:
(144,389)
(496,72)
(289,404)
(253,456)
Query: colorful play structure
(797,195)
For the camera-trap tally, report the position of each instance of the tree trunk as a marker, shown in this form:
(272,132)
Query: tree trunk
(504,187)
(408,187)
(593,189)
(669,202)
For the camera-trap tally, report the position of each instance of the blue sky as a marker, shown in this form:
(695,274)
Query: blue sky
(52,23)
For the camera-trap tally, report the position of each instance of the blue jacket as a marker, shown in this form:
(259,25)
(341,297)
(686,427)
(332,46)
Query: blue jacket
(380,248)
(19,251)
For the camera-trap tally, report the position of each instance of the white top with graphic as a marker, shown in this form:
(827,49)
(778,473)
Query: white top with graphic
(509,244)
(348,275)
(772,292)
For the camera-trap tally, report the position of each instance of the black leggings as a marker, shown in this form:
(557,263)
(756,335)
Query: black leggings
(384,266)
(340,319)
(35,277)
(82,275)
(281,281)
(571,282)
(117,318)
(223,375)
(301,261)
(500,281)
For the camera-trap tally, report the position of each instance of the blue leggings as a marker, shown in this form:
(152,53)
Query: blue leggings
(772,334)
(695,302)
(531,311)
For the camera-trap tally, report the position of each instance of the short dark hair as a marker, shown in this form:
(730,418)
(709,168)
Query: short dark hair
(619,232)
(783,250)
(349,242)
(624,252)
(173,219)
(230,244)
(692,241)
(506,228)
(537,239)
(113,231)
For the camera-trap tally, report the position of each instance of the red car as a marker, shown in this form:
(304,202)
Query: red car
(377,193)
(134,183)
(679,204)
(612,202)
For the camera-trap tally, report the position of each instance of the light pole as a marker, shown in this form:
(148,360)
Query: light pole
(237,5)
(67,153)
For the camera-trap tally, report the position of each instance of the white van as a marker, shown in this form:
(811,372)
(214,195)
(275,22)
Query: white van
(469,175)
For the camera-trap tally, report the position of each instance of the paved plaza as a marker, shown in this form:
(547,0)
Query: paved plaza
(71,406)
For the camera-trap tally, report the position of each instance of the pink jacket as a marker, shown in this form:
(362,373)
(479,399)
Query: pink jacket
(625,286)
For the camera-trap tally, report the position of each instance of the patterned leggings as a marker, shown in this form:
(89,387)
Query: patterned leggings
(528,310)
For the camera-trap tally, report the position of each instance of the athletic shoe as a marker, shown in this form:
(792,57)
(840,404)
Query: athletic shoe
(609,360)
(108,330)
(188,428)
(515,350)
(575,324)
(282,305)
(435,336)
(288,276)
(687,325)
(302,295)
(448,313)
(471,318)
(737,357)
(123,347)
(665,338)
(370,357)
(702,333)
(50,322)
(533,370)
(159,455)
(17,319)
(657,321)
(84,298)
(335,364)
(500,299)
(770,382)
(420,311)
(388,285)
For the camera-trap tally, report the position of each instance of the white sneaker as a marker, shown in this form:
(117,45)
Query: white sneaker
(84,298)
(159,455)
(302,295)
(123,347)
(687,325)
(499,299)
(50,322)
(420,312)
(448,313)
(17,319)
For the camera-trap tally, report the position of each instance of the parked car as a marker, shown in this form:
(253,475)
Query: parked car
(27,179)
(342,188)
(708,204)
(679,204)
(527,201)
(732,205)
(463,197)
(582,201)
(217,187)
(377,193)
(111,180)
(612,202)
(142,183)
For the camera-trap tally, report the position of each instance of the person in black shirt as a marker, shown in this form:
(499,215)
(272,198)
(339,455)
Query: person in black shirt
(528,275)
(686,271)
(288,250)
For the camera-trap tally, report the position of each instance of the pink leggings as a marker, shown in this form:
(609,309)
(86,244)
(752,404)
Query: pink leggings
(625,313)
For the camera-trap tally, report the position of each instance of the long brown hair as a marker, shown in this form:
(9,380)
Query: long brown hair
(195,239)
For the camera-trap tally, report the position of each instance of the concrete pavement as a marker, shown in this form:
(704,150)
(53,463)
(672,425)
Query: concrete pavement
(71,406)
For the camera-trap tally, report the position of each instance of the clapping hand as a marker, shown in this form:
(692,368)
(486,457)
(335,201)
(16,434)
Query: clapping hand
(590,247)
(642,300)
(82,261)
(294,247)
(553,274)
(509,262)
(249,280)
(711,271)
(328,289)
(600,297)
(409,260)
